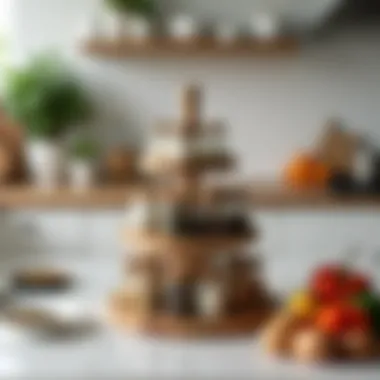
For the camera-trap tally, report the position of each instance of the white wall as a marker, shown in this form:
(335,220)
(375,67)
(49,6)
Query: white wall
(272,106)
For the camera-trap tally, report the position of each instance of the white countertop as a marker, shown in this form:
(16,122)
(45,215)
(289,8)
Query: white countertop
(110,354)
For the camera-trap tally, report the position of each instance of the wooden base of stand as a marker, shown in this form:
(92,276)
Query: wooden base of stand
(169,326)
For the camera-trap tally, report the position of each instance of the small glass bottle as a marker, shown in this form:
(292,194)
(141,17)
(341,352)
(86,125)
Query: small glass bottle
(363,167)
(210,298)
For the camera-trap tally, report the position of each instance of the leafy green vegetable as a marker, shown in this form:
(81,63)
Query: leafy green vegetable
(45,98)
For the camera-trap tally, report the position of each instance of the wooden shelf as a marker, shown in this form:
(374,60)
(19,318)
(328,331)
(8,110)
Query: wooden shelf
(151,242)
(21,197)
(167,326)
(260,196)
(207,47)
(276,196)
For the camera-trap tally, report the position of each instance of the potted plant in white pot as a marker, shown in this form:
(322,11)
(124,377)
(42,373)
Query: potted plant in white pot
(83,155)
(45,99)
(137,16)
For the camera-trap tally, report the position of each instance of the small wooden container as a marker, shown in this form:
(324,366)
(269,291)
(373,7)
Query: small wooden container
(41,280)
(119,165)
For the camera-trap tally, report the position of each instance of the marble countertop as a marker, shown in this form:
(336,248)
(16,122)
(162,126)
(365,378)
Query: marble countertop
(109,354)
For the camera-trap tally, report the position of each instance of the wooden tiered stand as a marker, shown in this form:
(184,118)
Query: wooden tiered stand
(185,257)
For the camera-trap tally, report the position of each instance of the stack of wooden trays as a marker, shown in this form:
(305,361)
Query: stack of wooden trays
(191,273)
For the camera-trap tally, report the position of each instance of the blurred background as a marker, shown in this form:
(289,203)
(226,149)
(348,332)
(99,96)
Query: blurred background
(75,96)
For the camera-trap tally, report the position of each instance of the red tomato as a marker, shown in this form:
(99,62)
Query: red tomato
(327,283)
(357,284)
(332,320)
(357,319)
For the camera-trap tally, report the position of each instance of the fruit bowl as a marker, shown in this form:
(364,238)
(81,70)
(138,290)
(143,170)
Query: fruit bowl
(336,317)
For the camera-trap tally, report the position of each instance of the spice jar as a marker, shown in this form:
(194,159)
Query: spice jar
(210,297)
(180,286)
(144,282)
(180,297)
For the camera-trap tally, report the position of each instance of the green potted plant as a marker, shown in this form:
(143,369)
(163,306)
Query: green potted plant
(83,154)
(132,18)
(47,101)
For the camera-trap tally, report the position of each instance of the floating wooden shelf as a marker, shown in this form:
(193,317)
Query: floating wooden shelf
(151,242)
(21,197)
(276,196)
(207,47)
(168,326)
(260,196)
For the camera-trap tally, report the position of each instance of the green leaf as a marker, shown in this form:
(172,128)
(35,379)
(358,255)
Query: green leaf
(45,98)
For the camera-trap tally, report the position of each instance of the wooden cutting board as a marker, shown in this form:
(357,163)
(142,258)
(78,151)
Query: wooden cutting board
(337,147)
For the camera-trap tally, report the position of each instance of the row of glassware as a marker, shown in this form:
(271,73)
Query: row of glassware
(110,25)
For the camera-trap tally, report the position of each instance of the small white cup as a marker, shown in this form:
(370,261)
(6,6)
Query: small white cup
(183,27)
(265,26)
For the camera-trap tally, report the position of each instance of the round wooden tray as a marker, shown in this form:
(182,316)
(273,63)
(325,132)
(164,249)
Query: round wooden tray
(164,325)
(152,241)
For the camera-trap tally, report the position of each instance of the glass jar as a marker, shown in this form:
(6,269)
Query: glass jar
(180,298)
(210,298)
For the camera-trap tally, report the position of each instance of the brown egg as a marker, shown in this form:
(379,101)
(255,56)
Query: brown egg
(359,345)
(311,346)
(277,335)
